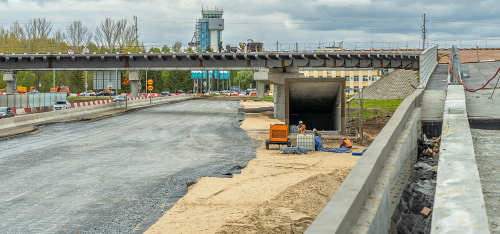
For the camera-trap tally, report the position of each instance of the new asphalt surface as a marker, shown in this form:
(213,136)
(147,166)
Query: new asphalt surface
(109,176)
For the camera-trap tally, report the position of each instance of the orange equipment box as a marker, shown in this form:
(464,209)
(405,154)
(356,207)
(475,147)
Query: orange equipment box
(278,132)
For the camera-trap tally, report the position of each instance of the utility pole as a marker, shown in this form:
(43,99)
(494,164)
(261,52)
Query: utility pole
(54,70)
(136,35)
(424,33)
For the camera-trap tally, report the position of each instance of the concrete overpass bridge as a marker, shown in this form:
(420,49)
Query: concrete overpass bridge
(270,67)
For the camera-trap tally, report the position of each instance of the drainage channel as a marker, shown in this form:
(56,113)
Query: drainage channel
(413,213)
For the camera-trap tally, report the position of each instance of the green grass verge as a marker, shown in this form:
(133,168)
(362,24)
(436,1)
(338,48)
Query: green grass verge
(267,98)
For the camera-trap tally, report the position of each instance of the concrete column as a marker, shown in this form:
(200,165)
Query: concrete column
(10,77)
(279,101)
(134,78)
(277,76)
(261,92)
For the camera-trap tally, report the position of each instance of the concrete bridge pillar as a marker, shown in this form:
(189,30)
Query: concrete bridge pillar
(277,77)
(10,77)
(134,78)
(261,91)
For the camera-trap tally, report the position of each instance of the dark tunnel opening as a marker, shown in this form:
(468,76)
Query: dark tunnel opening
(317,104)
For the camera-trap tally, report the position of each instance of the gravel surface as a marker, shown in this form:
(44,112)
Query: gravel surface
(111,175)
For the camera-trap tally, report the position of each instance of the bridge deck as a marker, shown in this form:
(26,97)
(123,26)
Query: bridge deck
(484,119)
(435,94)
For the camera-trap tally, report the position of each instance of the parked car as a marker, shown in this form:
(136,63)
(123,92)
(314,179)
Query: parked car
(120,98)
(61,105)
(6,112)
(164,94)
(103,93)
(87,93)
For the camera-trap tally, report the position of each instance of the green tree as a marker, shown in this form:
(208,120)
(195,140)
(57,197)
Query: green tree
(208,49)
(177,46)
(244,78)
(165,49)
(77,81)
(178,80)
(189,50)
(26,79)
(154,50)
(2,83)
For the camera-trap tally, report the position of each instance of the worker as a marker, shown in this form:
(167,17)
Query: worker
(316,133)
(220,46)
(346,143)
(301,127)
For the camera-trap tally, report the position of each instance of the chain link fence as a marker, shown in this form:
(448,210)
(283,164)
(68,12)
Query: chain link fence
(18,101)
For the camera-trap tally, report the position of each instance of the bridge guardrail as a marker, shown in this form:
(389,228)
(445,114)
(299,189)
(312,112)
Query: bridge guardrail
(428,62)
(342,212)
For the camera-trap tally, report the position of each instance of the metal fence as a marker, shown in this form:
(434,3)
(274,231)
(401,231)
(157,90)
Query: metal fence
(455,64)
(17,101)
(428,62)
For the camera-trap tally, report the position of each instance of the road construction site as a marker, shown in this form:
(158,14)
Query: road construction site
(164,168)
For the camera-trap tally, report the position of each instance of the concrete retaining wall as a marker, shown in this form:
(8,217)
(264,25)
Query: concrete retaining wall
(362,204)
(81,112)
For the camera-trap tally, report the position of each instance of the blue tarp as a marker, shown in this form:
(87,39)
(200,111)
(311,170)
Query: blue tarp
(318,145)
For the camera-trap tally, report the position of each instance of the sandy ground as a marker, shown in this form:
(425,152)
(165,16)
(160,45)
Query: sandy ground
(275,193)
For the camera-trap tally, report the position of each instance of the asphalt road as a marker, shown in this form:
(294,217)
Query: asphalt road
(108,176)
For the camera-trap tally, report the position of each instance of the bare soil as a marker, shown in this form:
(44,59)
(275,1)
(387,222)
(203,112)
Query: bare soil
(275,193)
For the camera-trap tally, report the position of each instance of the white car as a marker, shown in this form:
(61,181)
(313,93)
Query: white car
(88,93)
(61,105)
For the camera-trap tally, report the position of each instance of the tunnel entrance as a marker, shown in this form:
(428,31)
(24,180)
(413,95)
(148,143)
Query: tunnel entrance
(319,102)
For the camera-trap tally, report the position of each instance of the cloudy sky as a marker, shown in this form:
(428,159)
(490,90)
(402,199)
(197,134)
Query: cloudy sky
(313,23)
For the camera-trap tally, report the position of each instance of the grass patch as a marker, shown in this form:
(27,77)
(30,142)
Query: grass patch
(377,108)
(393,103)
(267,98)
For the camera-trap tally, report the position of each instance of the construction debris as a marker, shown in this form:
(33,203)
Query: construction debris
(425,212)
(413,213)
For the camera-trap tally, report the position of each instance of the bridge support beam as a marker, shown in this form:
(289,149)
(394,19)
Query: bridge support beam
(10,77)
(277,77)
(261,91)
(134,78)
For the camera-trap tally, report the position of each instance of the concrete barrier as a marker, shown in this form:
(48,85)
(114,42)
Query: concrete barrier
(363,203)
(459,204)
(80,112)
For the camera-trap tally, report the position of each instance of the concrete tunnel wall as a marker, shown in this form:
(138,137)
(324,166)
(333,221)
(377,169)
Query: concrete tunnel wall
(319,102)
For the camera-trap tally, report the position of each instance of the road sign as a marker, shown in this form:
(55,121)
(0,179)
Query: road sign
(125,81)
(195,85)
(110,85)
(150,88)
(71,52)
(250,85)
(150,81)
(204,83)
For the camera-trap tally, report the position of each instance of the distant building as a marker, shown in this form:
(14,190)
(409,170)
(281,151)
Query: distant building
(355,80)
(208,30)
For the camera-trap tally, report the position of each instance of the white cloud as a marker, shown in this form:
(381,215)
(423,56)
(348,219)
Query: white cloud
(287,21)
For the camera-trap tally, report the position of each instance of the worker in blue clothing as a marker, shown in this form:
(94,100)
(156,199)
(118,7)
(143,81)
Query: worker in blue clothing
(220,46)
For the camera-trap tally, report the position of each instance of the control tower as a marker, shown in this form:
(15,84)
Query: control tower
(210,28)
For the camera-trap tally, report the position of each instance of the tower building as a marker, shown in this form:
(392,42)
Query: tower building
(210,28)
